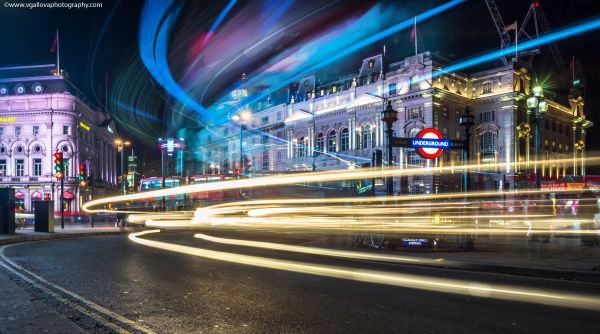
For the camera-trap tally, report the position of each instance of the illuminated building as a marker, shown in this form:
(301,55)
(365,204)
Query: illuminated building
(40,115)
(338,126)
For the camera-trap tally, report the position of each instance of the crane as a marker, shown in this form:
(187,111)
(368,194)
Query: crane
(499,23)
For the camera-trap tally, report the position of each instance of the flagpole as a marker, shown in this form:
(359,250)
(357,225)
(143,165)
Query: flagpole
(516,43)
(57,53)
(416,35)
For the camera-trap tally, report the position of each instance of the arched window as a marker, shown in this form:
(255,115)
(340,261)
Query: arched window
(331,142)
(487,147)
(344,140)
(320,143)
(414,82)
(366,136)
(301,147)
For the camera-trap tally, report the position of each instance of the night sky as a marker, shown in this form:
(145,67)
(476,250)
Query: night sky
(88,54)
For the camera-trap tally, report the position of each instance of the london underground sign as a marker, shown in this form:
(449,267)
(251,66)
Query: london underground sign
(430,143)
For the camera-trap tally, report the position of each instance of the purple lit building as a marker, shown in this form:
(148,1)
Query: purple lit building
(42,113)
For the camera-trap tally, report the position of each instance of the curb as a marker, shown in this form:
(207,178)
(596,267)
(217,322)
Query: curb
(59,235)
(578,276)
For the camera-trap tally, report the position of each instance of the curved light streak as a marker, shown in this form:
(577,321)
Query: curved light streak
(444,285)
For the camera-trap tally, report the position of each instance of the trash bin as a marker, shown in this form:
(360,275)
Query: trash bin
(7,211)
(44,216)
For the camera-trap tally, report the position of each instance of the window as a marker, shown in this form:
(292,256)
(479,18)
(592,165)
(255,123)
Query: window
(301,147)
(3,167)
(414,82)
(65,129)
(17,131)
(392,89)
(487,116)
(334,89)
(366,136)
(331,142)
(414,112)
(36,130)
(20,167)
(320,143)
(488,147)
(279,116)
(264,120)
(1,131)
(265,139)
(37,167)
(344,140)
(265,160)
(226,132)
(487,87)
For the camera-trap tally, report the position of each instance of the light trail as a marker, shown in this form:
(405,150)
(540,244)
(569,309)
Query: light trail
(318,251)
(316,177)
(444,285)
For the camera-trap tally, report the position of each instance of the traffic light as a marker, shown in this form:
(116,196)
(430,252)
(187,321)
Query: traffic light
(46,197)
(59,167)
(82,181)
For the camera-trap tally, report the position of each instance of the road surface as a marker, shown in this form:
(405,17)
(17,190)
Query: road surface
(177,293)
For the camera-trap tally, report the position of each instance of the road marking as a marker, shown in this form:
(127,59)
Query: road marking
(444,285)
(101,314)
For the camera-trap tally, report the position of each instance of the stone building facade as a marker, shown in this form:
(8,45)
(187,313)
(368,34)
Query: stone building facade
(338,126)
(40,115)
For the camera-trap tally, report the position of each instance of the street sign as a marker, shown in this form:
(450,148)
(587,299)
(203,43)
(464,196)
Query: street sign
(430,143)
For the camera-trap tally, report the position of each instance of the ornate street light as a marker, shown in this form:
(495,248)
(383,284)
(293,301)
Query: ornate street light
(121,144)
(538,106)
(242,118)
(390,116)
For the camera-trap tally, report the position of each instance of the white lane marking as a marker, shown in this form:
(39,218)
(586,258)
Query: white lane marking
(100,309)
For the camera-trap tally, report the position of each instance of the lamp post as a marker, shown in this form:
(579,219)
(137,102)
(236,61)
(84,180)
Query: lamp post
(390,116)
(466,121)
(537,105)
(121,144)
(242,118)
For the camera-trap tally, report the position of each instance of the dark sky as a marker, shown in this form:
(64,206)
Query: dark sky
(26,37)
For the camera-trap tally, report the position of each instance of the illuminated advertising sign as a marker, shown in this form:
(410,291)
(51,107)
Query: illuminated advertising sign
(7,119)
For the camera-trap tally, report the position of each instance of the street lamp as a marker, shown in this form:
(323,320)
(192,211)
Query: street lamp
(390,116)
(121,144)
(242,118)
(467,120)
(537,105)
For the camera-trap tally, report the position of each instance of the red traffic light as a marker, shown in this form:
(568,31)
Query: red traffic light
(58,155)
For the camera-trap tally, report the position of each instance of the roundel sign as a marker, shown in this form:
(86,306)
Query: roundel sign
(430,143)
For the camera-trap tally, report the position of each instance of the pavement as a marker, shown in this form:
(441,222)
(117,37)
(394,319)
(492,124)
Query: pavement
(70,231)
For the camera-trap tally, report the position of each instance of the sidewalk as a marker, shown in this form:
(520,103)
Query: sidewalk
(23,313)
(70,231)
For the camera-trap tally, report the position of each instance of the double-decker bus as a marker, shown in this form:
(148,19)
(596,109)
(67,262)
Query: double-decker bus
(210,197)
(155,183)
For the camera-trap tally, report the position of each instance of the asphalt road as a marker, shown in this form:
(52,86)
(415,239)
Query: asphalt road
(177,293)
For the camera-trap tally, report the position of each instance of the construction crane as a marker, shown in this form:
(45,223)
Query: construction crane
(536,15)
(499,23)
(540,17)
